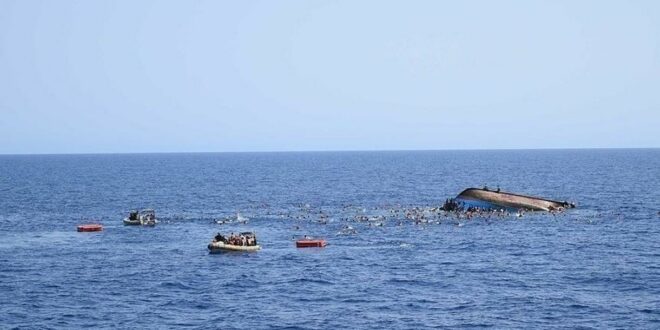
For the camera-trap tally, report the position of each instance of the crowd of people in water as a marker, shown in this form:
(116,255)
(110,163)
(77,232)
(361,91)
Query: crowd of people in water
(242,239)
(349,217)
(379,216)
(385,215)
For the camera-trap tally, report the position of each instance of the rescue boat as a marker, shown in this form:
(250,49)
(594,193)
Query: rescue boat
(221,244)
(145,218)
(219,247)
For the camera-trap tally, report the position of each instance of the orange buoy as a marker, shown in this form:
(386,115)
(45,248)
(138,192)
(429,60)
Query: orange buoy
(305,243)
(90,227)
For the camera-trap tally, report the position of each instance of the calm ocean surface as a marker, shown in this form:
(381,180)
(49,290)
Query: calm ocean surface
(597,266)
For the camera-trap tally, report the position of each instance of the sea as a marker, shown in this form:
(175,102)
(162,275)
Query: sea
(593,267)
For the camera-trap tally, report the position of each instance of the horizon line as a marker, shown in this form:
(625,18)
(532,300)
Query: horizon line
(319,151)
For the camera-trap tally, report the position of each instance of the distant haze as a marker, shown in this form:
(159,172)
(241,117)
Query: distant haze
(161,76)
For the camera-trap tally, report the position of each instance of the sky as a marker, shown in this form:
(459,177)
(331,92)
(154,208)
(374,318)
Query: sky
(213,76)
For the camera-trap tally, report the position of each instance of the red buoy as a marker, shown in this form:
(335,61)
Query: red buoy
(90,227)
(305,243)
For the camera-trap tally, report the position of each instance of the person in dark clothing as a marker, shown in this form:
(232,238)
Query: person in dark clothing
(219,238)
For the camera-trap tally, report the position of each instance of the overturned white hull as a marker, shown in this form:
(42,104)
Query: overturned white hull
(495,199)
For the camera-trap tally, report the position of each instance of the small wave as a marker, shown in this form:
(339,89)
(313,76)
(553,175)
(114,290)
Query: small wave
(403,280)
(356,301)
(311,280)
(461,307)
(648,311)
(578,306)
(175,285)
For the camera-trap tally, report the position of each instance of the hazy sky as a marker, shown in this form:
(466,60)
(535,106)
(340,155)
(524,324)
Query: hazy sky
(159,76)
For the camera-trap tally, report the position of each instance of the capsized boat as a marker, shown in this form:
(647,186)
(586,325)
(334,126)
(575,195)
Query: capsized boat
(243,242)
(146,217)
(495,199)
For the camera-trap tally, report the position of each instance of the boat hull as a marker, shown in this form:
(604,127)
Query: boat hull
(220,247)
(487,199)
(128,222)
(150,223)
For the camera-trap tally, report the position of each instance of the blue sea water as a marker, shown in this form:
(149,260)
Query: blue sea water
(597,266)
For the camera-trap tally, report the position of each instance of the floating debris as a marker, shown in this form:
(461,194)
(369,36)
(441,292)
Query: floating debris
(347,230)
